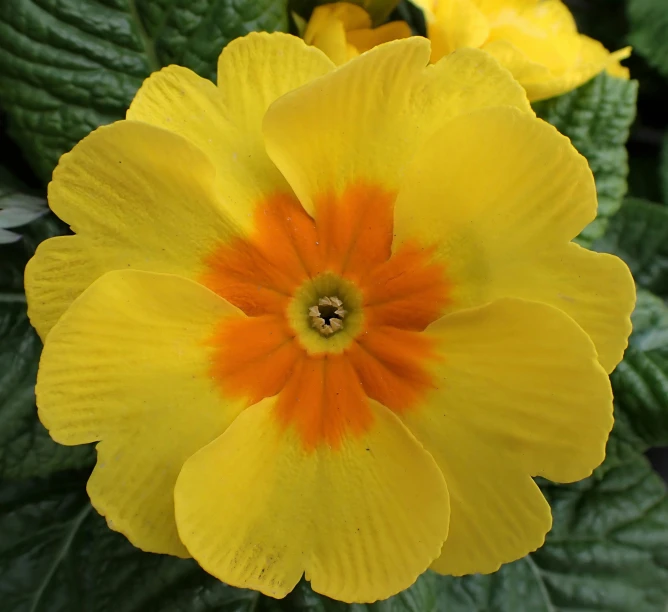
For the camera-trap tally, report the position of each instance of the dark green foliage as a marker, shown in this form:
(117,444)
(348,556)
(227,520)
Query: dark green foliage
(68,66)
(597,117)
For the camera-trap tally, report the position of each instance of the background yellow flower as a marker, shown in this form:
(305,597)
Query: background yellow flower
(344,30)
(537,40)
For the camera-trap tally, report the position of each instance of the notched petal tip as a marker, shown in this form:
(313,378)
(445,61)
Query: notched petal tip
(255,46)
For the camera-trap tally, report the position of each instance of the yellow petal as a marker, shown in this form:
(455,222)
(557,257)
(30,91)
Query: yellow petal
(453,24)
(60,270)
(539,43)
(493,7)
(497,515)
(544,31)
(615,68)
(592,58)
(519,393)
(138,197)
(427,6)
(363,40)
(365,121)
(522,68)
(595,289)
(256,510)
(499,195)
(225,121)
(127,364)
(526,374)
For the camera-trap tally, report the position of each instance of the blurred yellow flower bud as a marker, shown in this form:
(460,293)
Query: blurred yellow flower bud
(343,30)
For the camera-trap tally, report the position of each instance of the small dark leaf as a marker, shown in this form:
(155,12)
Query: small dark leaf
(17,207)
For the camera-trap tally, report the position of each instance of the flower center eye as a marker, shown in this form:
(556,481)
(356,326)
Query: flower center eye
(327,315)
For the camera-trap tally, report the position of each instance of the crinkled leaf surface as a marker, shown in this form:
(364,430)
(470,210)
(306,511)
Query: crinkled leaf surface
(649,24)
(597,117)
(640,381)
(58,555)
(25,446)
(608,550)
(639,235)
(68,66)
(650,322)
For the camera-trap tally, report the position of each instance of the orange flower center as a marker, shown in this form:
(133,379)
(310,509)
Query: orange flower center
(334,318)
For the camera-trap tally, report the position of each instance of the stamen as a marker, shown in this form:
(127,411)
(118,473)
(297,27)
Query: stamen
(327,316)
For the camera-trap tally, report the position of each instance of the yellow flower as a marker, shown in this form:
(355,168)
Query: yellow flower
(343,31)
(537,40)
(329,321)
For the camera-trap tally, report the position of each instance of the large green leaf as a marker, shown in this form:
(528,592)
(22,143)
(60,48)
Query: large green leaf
(58,555)
(640,381)
(192,34)
(608,551)
(649,24)
(639,235)
(597,117)
(25,446)
(68,66)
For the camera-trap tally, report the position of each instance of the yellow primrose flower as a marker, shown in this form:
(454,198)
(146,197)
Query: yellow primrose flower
(329,322)
(343,31)
(537,40)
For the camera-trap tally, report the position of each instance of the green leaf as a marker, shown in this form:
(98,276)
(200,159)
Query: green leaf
(640,384)
(193,34)
(597,117)
(650,322)
(68,66)
(649,23)
(58,555)
(17,207)
(640,381)
(25,446)
(639,235)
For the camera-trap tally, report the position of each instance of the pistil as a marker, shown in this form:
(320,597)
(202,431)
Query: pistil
(327,315)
